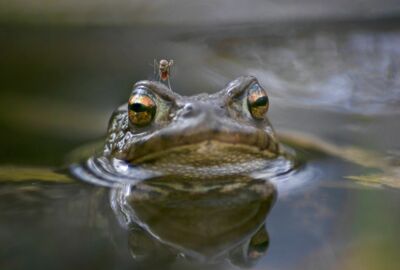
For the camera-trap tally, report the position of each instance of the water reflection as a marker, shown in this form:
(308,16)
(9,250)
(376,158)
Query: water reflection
(206,224)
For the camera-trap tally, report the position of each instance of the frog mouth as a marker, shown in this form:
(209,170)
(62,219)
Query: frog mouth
(209,146)
(204,154)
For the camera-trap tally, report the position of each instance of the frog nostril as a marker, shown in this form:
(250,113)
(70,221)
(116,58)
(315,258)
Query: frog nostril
(188,107)
(187,110)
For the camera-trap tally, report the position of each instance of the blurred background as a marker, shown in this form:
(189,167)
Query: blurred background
(331,68)
(176,12)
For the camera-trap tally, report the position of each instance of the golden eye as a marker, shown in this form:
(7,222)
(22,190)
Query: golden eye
(141,109)
(257,101)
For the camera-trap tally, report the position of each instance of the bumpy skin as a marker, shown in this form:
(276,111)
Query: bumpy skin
(201,127)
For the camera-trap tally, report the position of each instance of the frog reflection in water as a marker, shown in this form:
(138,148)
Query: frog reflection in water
(211,227)
(182,167)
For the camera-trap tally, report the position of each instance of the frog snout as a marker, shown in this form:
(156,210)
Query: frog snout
(200,112)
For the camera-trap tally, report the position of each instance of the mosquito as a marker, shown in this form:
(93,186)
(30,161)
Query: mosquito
(164,70)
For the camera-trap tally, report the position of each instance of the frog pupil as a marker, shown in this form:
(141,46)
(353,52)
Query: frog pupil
(138,107)
(261,101)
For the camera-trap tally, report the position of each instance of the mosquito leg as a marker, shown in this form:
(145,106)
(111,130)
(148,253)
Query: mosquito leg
(169,84)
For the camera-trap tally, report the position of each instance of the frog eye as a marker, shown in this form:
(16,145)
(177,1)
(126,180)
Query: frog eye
(141,108)
(257,101)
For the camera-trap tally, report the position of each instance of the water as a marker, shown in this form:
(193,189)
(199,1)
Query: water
(338,81)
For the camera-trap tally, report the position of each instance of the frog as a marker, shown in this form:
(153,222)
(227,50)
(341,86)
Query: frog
(159,132)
